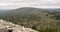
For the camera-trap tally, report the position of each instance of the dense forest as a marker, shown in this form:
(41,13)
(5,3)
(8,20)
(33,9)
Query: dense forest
(42,20)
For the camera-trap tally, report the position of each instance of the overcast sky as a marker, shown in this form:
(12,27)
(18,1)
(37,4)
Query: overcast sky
(12,4)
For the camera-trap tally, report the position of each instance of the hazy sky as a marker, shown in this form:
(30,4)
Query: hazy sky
(11,4)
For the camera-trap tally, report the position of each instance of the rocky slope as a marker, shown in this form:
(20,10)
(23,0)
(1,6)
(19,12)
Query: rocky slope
(10,27)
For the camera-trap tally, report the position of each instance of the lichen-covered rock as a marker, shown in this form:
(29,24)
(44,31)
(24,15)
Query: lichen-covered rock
(10,27)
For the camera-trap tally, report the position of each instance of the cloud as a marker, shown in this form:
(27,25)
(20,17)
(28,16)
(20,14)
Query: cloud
(11,4)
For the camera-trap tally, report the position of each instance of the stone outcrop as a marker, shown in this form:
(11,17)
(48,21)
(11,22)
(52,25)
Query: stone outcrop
(10,27)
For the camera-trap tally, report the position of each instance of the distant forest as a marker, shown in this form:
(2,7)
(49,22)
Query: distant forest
(42,20)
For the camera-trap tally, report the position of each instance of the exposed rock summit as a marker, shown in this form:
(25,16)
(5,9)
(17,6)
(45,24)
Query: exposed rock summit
(10,27)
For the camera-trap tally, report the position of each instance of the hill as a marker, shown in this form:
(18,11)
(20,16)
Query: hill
(39,19)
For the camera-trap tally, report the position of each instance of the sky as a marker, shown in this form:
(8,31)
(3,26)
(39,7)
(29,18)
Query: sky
(13,4)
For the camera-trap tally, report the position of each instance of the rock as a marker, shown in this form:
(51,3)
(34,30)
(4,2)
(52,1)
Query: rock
(10,27)
(16,30)
(2,29)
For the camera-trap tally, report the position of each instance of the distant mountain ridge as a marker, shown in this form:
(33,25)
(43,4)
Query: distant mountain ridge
(27,9)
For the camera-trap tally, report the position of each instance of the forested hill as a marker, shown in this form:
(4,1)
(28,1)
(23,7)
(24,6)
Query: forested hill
(24,10)
(35,18)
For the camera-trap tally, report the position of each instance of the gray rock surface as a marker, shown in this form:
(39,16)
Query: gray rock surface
(10,27)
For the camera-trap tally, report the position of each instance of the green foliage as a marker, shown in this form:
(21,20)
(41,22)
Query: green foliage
(57,17)
(49,30)
(35,19)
